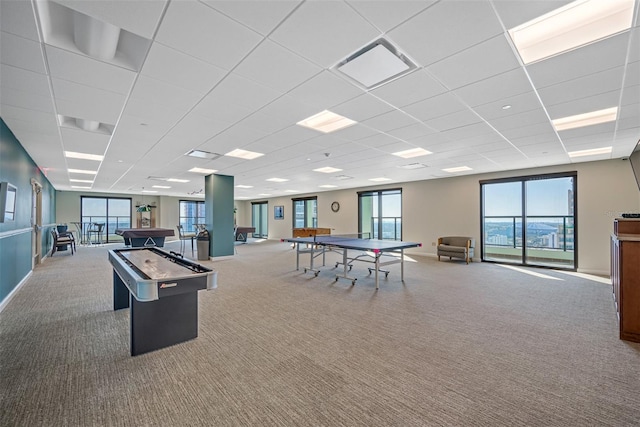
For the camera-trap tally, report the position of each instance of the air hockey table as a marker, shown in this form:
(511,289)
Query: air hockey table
(161,290)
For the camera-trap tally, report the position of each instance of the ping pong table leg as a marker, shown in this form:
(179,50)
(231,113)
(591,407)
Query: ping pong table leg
(377,268)
(297,255)
(402,265)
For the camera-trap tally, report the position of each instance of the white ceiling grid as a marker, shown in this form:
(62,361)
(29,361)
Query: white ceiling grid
(217,75)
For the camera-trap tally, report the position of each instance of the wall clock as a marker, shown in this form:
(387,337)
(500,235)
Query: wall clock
(335,206)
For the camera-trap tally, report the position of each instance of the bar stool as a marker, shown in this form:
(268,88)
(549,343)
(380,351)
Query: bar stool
(95,230)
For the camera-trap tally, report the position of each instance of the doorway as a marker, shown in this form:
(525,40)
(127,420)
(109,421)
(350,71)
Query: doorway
(260,219)
(36,223)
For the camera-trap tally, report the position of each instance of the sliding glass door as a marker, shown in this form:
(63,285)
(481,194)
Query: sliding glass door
(112,211)
(260,219)
(530,220)
(380,214)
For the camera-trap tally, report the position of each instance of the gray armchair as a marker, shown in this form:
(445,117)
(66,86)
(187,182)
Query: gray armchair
(456,247)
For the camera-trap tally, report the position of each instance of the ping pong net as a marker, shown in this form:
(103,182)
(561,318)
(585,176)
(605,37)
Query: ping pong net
(337,238)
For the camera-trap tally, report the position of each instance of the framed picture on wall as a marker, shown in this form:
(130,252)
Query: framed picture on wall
(278,212)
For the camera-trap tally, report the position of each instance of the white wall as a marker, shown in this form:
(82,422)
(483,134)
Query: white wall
(440,207)
(451,206)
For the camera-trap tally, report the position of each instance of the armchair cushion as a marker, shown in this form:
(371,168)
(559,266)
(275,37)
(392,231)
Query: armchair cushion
(456,247)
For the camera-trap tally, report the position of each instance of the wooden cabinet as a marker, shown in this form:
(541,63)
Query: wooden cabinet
(625,276)
(309,232)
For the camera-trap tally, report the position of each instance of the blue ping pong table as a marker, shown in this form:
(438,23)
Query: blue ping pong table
(373,250)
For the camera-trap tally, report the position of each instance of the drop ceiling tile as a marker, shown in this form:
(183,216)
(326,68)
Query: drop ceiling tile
(138,17)
(82,101)
(23,80)
(265,123)
(362,108)
(228,112)
(537,131)
(16,17)
(285,138)
(89,72)
(209,35)
(84,142)
(600,132)
(437,106)
(583,87)
(42,127)
(632,75)
(388,121)
(611,53)
(513,13)
(273,66)
(518,104)
(238,90)
(29,101)
(324,32)
(144,115)
(453,121)
(21,53)
(520,120)
(509,84)
(290,109)
(324,90)
(411,131)
(414,87)
(261,16)
(376,141)
(479,62)
(27,115)
(386,15)
(158,92)
(446,28)
(584,105)
(179,69)
(197,129)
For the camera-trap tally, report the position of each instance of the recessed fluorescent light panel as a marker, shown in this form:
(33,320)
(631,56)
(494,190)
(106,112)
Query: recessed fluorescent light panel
(89,181)
(264,194)
(244,186)
(82,171)
(414,152)
(277,179)
(375,64)
(81,188)
(381,179)
(203,170)
(291,191)
(244,154)
(573,25)
(592,152)
(413,166)
(586,119)
(458,169)
(83,156)
(177,180)
(203,154)
(327,169)
(327,186)
(326,121)
(149,191)
(161,186)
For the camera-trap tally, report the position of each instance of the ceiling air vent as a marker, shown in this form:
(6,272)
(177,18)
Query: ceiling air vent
(375,64)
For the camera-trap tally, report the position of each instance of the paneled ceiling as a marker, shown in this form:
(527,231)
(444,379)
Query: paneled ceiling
(223,75)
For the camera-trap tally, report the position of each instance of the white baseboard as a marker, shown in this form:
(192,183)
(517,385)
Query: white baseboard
(8,298)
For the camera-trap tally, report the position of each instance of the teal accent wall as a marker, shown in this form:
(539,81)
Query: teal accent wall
(17,167)
(218,201)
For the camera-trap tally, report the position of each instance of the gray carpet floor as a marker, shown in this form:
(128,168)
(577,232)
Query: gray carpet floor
(455,345)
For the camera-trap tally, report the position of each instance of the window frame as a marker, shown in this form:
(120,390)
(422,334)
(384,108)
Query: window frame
(523,180)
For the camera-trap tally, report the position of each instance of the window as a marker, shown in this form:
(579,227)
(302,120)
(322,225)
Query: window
(305,212)
(191,213)
(112,211)
(530,220)
(380,214)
